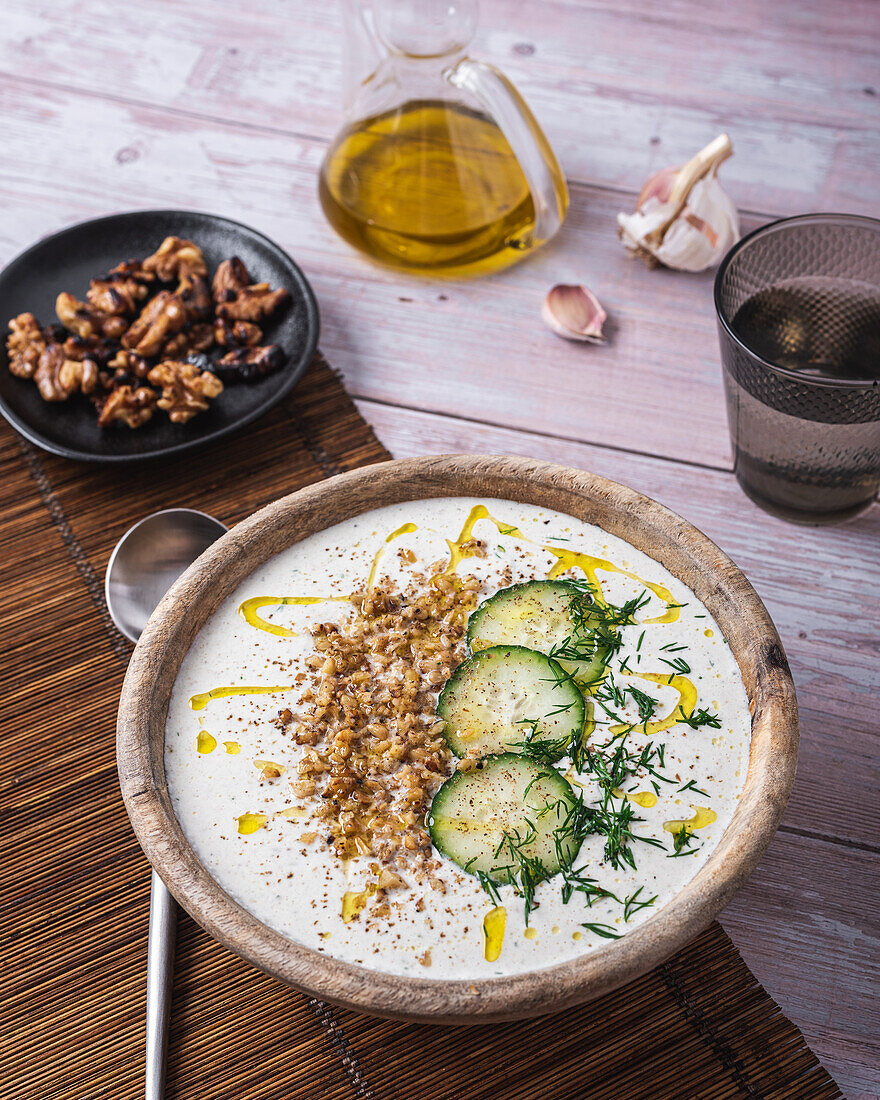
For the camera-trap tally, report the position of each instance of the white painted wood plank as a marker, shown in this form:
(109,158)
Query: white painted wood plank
(806,924)
(820,585)
(476,349)
(621,90)
(806,920)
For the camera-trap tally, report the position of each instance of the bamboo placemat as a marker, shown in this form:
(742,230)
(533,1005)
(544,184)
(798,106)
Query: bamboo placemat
(76,892)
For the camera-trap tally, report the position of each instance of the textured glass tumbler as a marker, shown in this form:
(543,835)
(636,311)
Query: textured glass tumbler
(798,305)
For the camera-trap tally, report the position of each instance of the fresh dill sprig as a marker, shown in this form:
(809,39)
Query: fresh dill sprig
(691,785)
(646,704)
(603,930)
(701,717)
(678,664)
(683,843)
(486,881)
(521,871)
(546,750)
(633,903)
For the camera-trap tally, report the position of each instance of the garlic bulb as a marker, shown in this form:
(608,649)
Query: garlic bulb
(684,219)
(574,312)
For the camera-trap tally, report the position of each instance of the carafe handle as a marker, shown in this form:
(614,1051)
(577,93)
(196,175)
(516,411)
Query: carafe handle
(509,111)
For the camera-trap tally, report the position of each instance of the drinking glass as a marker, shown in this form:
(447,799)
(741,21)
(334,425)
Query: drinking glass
(798,304)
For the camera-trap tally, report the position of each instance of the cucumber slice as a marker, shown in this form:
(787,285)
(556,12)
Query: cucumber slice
(507,816)
(538,614)
(504,696)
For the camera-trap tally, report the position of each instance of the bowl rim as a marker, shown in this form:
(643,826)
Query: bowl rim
(664,536)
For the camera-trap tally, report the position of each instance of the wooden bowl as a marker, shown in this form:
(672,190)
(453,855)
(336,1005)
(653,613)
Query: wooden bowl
(650,527)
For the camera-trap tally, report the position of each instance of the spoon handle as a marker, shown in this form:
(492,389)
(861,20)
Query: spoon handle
(160,967)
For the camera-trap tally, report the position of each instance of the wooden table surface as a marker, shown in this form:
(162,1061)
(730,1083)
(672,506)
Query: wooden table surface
(228,107)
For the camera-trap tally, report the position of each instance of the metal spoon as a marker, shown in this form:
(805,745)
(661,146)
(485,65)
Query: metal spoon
(144,564)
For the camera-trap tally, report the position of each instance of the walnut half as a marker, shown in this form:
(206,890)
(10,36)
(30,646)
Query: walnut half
(25,344)
(240,300)
(186,391)
(128,406)
(57,377)
(175,258)
(160,319)
(248,364)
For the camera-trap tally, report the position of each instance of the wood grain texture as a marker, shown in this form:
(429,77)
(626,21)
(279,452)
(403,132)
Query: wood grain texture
(803,921)
(622,90)
(646,86)
(833,653)
(76,885)
(472,349)
(680,548)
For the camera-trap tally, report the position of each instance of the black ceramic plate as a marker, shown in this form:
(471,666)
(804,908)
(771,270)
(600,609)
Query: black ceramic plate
(69,259)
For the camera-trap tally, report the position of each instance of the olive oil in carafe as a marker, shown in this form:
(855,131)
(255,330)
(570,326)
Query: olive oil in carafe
(431,187)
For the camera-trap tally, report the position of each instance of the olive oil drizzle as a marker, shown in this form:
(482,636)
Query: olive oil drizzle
(250,608)
(684,708)
(494,923)
(566,559)
(703,816)
(405,529)
(645,799)
(200,701)
(355,901)
(590,566)
(250,823)
(205,742)
(458,548)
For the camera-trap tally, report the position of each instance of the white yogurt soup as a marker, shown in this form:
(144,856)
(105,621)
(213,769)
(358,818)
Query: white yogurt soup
(587,753)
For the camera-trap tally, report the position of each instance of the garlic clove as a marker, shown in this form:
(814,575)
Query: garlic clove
(574,312)
(704,232)
(684,218)
(659,186)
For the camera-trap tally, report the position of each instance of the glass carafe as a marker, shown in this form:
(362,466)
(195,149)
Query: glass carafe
(441,168)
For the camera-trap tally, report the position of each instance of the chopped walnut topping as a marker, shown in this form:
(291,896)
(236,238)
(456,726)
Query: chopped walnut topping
(270,771)
(388,880)
(25,344)
(160,319)
(131,407)
(186,390)
(175,258)
(379,754)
